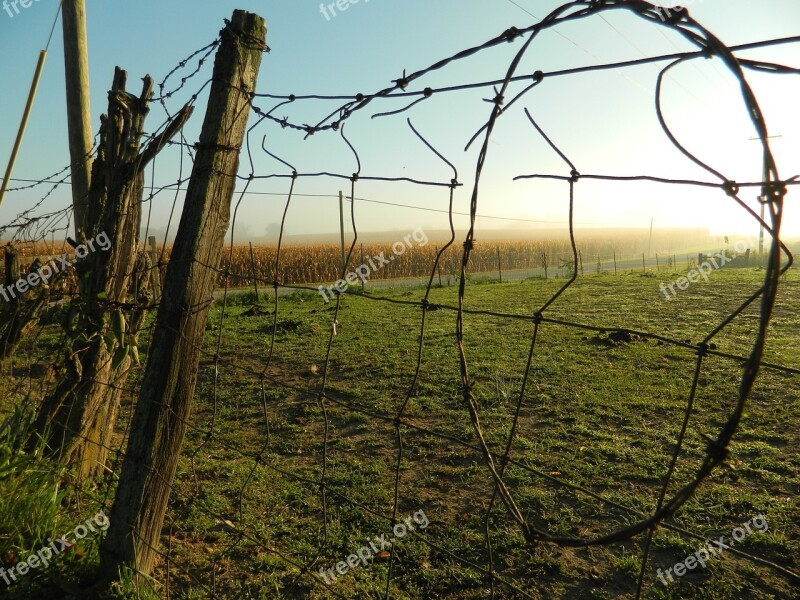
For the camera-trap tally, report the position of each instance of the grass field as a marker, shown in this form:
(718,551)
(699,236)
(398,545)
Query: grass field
(600,411)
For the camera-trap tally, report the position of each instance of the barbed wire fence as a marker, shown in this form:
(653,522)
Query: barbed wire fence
(327,505)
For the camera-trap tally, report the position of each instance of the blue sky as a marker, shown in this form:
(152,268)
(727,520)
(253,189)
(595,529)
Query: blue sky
(605,122)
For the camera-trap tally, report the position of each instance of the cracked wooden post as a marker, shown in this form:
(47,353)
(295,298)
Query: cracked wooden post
(155,270)
(160,419)
(77,418)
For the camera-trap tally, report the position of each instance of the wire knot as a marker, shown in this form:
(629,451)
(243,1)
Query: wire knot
(715,450)
(731,188)
(775,191)
(511,34)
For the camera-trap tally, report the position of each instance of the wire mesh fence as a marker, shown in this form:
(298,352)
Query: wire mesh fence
(452,442)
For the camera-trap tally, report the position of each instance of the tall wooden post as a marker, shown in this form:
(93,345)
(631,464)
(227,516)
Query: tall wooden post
(160,419)
(79,116)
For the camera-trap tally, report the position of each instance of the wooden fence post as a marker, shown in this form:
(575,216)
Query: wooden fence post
(77,416)
(155,273)
(11,306)
(160,419)
(544,263)
(499,264)
(253,267)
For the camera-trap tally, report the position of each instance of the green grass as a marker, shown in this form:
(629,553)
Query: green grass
(596,414)
(37,506)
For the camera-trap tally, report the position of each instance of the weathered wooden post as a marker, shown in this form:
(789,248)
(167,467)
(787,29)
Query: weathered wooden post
(499,265)
(544,263)
(160,419)
(253,267)
(77,417)
(155,271)
(11,305)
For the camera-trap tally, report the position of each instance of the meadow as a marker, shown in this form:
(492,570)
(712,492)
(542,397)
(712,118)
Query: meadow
(597,425)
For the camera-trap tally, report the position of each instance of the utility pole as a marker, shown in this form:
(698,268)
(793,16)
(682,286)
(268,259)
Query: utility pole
(762,198)
(79,116)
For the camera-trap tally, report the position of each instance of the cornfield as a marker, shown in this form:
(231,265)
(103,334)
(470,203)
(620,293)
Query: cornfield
(317,263)
(302,264)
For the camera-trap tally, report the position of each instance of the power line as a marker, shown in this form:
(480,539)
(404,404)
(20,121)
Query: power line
(640,51)
(53,28)
(437,210)
(368,200)
(574,43)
